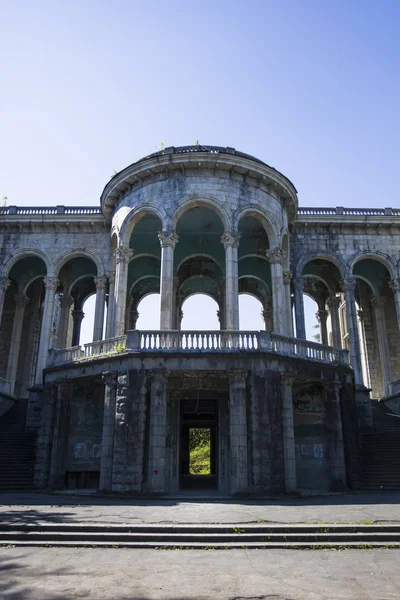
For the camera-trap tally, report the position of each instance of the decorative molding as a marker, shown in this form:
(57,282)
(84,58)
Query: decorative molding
(110,379)
(4,284)
(287,277)
(230,239)
(275,256)
(348,284)
(100,283)
(394,284)
(51,283)
(123,254)
(322,315)
(168,239)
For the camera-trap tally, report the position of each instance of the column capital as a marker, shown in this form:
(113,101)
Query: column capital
(111,276)
(51,283)
(287,277)
(77,315)
(348,284)
(100,283)
(110,379)
(4,284)
(230,239)
(168,238)
(299,283)
(123,254)
(66,301)
(394,284)
(322,315)
(275,256)
(333,302)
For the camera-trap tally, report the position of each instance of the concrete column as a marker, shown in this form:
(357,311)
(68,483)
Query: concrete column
(101,285)
(334,425)
(299,308)
(107,442)
(134,317)
(77,318)
(395,285)
(276,257)
(289,447)
(111,304)
(267,314)
(322,316)
(60,436)
(348,286)
(364,349)
(4,285)
(168,240)
(333,303)
(157,465)
(45,436)
(378,305)
(287,279)
(122,257)
(230,241)
(20,302)
(239,483)
(65,307)
(51,284)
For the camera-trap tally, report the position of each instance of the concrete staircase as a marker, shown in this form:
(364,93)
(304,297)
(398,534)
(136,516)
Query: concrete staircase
(200,536)
(380,458)
(17,450)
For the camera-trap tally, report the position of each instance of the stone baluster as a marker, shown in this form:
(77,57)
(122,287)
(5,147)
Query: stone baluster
(107,442)
(333,303)
(289,447)
(20,303)
(51,284)
(77,318)
(110,305)
(65,308)
(168,241)
(395,285)
(98,326)
(238,432)
(230,241)
(299,308)
(287,279)
(348,286)
(122,257)
(275,257)
(4,285)
(322,316)
(378,305)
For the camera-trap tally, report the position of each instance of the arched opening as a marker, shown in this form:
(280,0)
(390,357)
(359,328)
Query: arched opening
(200,313)
(88,308)
(313,328)
(148,311)
(252,315)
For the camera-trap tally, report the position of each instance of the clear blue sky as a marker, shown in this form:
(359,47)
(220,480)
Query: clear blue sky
(309,86)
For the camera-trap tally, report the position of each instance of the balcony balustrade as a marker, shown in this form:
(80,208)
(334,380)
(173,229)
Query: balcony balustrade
(201,342)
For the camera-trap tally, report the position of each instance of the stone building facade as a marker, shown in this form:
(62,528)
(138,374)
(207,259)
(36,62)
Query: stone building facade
(284,414)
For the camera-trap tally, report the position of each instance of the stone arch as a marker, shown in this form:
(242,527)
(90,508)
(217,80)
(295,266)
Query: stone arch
(323,255)
(384,259)
(135,215)
(26,253)
(79,253)
(196,200)
(257,213)
(195,256)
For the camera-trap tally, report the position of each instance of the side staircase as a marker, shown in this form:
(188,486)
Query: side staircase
(17,450)
(380,457)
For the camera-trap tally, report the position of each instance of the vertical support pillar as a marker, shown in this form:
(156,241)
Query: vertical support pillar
(267,314)
(60,436)
(20,302)
(276,257)
(51,284)
(157,465)
(239,482)
(395,285)
(333,303)
(65,303)
(289,448)
(4,285)
(299,308)
(45,437)
(364,349)
(287,278)
(122,257)
(334,425)
(110,305)
(322,316)
(378,305)
(168,240)
(77,318)
(98,326)
(107,441)
(230,241)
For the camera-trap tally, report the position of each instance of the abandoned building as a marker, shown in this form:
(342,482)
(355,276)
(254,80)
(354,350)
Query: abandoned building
(283,414)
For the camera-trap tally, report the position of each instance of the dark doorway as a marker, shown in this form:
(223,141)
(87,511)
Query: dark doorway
(198,459)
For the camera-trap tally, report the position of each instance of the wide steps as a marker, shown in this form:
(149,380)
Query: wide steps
(191,536)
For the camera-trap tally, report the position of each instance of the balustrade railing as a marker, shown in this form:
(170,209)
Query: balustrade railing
(202,341)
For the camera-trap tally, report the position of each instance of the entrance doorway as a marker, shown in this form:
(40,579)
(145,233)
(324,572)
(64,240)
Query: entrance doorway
(199,441)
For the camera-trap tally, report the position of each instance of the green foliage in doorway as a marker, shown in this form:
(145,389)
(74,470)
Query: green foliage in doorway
(199,448)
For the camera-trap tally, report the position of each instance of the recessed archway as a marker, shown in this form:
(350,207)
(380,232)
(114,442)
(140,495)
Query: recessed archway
(200,313)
